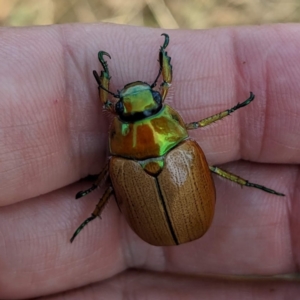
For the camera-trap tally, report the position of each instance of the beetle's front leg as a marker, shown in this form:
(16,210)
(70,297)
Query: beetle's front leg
(97,211)
(241,181)
(103,81)
(100,178)
(219,116)
(165,69)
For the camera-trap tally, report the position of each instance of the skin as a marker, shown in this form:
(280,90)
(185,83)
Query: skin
(53,132)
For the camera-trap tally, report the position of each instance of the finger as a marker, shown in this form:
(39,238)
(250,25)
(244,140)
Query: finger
(54,131)
(35,244)
(154,285)
(37,158)
(223,68)
(252,233)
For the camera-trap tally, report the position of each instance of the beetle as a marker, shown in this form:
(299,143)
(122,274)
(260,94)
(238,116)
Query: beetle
(159,175)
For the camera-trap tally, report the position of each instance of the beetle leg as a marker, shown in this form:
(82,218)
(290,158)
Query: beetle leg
(165,69)
(219,116)
(103,82)
(241,181)
(100,178)
(96,213)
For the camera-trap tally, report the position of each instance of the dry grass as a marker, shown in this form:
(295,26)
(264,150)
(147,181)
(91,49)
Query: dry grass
(152,13)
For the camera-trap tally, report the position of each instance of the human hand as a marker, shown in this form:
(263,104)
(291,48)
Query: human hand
(53,132)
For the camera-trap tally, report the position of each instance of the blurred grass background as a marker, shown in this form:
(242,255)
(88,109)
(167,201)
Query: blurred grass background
(151,13)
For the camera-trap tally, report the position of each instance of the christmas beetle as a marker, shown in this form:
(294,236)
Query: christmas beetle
(159,176)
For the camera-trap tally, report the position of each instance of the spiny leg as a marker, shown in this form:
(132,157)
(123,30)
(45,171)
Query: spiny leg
(103,82)
(101,176)
(97,211)
(241,181)
(219,116)
(165,69)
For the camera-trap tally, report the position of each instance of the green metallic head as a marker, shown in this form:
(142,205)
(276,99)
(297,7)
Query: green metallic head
(137,101)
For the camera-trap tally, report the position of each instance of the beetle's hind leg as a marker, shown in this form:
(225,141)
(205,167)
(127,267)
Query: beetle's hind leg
(98,181)
(97,211)
(165,69)
(241,181)
(219,116)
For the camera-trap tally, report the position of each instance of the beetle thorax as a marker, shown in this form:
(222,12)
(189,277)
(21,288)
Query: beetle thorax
(150,137)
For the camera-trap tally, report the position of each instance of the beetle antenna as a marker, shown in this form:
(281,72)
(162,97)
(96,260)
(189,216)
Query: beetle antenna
(97,77)
(155,81)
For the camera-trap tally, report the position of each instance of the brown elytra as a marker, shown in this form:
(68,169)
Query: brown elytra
(173,208)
